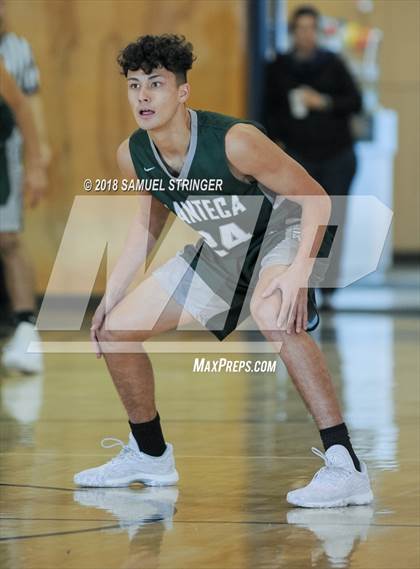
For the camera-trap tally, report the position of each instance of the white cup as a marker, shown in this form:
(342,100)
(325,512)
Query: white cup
(297,106)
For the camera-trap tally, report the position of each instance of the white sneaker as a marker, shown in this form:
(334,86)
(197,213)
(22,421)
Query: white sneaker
(129,466)
(338,529)
(336,484)
(133,508)
(15,353)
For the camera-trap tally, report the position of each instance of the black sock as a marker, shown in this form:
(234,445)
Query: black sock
(149,436)
(25,316)
(339,435)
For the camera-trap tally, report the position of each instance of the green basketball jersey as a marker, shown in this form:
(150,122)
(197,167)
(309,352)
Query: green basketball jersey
(231,215)
(7,124)
(7,121)
(239,221)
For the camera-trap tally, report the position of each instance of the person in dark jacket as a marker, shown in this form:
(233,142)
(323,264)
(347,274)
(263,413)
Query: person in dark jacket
(310,97)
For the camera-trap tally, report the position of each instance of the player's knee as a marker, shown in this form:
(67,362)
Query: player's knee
(9,243)
(109,334)
(264,314)
(106,335)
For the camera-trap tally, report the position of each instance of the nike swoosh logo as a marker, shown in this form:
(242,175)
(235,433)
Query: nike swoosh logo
(148,169)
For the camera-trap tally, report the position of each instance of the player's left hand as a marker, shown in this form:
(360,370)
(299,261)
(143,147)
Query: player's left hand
(293,313)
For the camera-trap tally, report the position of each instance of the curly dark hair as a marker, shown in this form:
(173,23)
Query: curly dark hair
(149,52)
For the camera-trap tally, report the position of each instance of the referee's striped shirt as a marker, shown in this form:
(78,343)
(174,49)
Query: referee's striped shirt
(19,61)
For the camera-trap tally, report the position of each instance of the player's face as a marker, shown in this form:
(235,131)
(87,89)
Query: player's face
(154,98)
(305,33)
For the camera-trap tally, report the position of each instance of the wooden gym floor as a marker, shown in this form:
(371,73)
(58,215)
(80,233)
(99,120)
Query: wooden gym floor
(241,441)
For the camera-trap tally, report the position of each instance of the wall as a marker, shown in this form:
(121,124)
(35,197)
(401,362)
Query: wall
(76,44)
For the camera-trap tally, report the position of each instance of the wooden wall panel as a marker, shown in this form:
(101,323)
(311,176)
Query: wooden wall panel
(76,44)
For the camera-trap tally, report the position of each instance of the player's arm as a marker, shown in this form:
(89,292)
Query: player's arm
(142,236)
(253,154)
(30,85)
(143,233)
(152,213)
(37,107)
(35,179)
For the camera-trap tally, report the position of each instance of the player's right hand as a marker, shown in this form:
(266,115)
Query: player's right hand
(97,321)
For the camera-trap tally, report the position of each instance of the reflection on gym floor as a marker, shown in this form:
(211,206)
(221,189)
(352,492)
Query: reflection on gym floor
(241,442)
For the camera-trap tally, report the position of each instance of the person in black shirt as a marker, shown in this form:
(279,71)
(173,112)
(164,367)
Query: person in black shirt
(310,97)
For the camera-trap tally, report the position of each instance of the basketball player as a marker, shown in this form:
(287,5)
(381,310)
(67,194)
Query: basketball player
(276,261)
(15,109)
(17,57)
